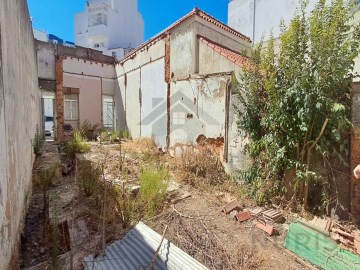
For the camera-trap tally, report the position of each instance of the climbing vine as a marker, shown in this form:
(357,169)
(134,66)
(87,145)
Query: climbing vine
(295,95)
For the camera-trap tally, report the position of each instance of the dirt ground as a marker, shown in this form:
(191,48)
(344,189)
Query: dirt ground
(195,224)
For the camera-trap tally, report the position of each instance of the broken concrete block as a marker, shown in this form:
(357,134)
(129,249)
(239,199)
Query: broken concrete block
(266,228)
(234,205)
(243,216)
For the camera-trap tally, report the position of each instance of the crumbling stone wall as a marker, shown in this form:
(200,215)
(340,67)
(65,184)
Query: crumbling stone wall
(20,115)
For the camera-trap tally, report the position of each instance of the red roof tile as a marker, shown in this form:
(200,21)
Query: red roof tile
(195,12)
(237,58)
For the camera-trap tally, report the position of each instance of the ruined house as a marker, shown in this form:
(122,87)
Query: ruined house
(176,87)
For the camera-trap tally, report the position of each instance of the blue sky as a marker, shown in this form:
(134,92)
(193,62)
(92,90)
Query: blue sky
(57,16)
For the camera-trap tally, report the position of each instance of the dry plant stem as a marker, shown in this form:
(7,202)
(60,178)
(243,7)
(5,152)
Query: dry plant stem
(104,205)
(306,190)
(153,260)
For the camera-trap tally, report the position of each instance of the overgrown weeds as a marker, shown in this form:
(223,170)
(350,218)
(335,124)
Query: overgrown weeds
(199,166)
(77,144)
(44,180)
(89,177)
(37,143)
(142,146)
(89,130)
(153,184)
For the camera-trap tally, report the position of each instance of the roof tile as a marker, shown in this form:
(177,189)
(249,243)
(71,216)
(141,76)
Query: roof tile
(237,58)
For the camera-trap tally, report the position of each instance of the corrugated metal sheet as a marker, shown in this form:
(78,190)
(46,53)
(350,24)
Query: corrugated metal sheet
(136,250)
(319,249)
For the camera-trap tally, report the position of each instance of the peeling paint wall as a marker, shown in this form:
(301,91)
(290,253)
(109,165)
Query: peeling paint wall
(197,108)
(175,89)
(20,114)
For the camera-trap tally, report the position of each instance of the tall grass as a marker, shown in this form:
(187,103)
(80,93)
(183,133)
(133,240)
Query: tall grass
(153,185)
(77,144)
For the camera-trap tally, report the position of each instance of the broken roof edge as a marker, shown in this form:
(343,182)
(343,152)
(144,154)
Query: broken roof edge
(195,12)
(233,56)
(78,52)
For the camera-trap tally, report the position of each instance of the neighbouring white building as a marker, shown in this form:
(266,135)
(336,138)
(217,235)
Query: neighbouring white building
(114,27)
(258,18)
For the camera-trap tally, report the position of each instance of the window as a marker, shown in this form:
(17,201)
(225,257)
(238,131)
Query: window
(99,45)
(178,118)
(108,112)
(71,109)
(97,19)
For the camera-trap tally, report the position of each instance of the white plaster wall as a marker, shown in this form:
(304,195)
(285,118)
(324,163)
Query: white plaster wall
(142,74)
(20,114)
(153,109)
(88,68)
(133,116)
(268,15)
(211,61)
(205,100)
(46,61)
(182,53)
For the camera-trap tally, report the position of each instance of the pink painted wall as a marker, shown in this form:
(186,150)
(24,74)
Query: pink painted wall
(90,99)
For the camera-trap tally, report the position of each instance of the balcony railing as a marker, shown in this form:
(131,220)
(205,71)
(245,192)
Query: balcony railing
(99,2)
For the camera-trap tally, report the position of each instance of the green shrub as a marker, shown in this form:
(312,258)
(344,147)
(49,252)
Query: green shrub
(37,143)
(121,134)
(153,185)
(89,177)
(44,180)
(78,144)
(126,134)
(89,130)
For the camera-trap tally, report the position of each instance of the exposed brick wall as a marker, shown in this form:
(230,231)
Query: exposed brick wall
(355,152)
(59,99)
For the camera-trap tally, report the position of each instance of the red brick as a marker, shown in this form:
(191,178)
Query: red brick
(234,205)
(243,216)
(266,228)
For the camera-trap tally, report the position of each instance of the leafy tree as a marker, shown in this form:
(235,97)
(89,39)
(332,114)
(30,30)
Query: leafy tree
(295,95)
